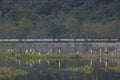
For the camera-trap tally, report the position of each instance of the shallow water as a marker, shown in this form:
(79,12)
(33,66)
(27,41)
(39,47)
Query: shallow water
(59,69)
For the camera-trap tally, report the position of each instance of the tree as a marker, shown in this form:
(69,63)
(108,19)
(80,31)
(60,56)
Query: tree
(74,12)
(116,29)
(25,26)
(73,26)
(6,29)
(55,28)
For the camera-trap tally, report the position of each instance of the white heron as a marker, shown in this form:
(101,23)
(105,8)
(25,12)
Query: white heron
(91,51)
(48,53)
(39,53)
(78,52)
(26,51)
(31,50)
(106,51)
(59,51)
(51,51)
(8,50)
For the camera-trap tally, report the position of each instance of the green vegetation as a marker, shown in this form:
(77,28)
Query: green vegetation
(11,72)
(60,19)
(85,69)
(51,56)
(74,69)
(36,56)
(115,68)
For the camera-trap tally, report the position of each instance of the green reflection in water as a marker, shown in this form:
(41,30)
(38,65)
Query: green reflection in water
(114,68)
(86,72)
(10,72)
(88,69)
(85,69)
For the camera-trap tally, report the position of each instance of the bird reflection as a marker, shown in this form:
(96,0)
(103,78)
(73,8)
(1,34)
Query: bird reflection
(33,62)
(15,61)
(106,62)
(100,50)
(39,61)
(118,62)
(26,63)
(19,62)
(31,65)
(100,60)
(91,62)
(59,64)
(48,63)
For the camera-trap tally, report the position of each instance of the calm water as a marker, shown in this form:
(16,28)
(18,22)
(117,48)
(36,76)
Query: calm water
(58,69)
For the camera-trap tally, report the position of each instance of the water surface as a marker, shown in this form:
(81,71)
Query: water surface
(62,69)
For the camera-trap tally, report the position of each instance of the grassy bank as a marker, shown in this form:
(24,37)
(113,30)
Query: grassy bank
(36,56)
(54,56)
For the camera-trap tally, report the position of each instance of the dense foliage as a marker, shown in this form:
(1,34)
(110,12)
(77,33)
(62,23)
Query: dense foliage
(59,19)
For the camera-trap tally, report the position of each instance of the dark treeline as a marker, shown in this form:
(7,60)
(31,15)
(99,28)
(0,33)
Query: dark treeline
(60,19)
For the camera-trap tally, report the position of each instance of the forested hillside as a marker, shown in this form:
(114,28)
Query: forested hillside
(60,19)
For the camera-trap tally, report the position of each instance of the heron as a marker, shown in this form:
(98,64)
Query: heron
(91,51)
(100,50)
(59,51)
(48,53)
(8,50)
(106,51)
(39,53)
(51,51)
(31,50)
(26,51)
(106,62)
(78,52)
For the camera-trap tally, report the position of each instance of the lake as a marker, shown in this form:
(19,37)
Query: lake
(70,69)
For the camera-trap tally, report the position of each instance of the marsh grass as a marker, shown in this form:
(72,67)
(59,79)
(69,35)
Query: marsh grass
(52,56)
(35,56)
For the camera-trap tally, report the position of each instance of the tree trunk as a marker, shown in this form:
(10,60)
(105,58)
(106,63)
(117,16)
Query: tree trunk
(75,45)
